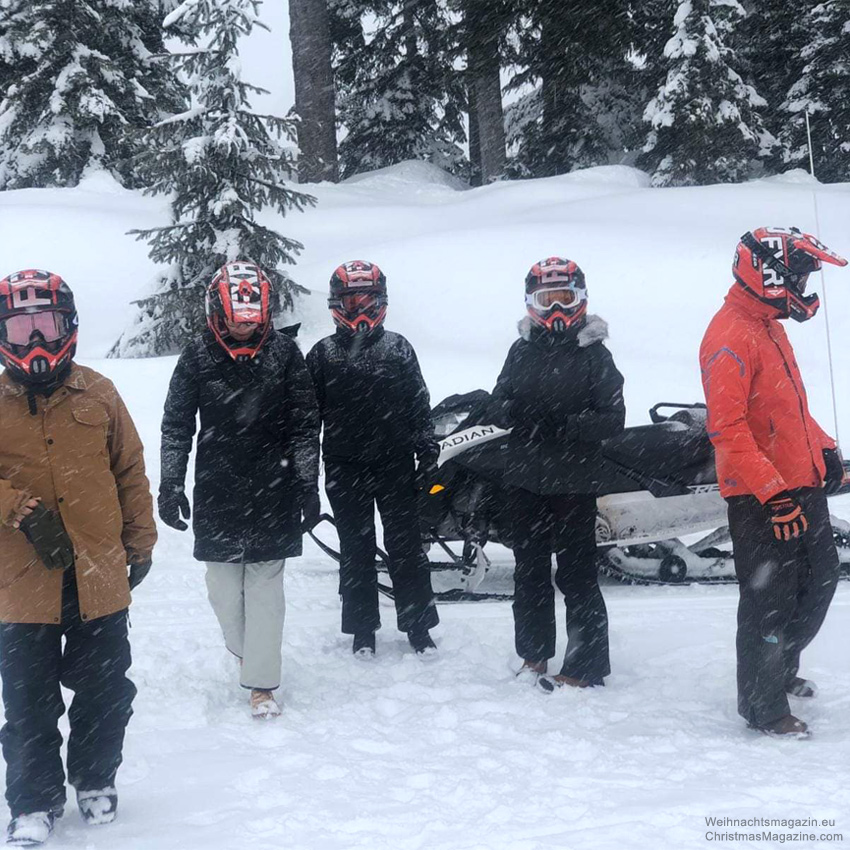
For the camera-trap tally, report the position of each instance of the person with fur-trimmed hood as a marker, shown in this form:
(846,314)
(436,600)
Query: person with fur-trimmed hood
(561,394)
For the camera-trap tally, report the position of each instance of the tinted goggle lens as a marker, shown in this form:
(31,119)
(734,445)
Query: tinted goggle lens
(361,302)
(20,328)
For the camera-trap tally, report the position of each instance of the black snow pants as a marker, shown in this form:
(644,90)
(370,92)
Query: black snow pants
(93,665)
(353,489)
(565,525)
(785,591)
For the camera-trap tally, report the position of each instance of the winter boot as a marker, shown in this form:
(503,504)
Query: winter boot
(30,830)
(363,646)
(531,671)
(263,704)
(550,683)
(98,806)
(422,644)
(798,687)
(785,727)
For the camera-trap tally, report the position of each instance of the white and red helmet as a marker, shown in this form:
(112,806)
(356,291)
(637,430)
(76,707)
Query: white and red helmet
(38,325)
(239,293)
(774,263)
(556,295)
(358,297)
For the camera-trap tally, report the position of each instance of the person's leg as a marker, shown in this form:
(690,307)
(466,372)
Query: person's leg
(818,577)
(225,590)
(350,490)
(534,596)
(767,584)
(30,666)
(577,578)
(265,608)
(94,667)
(410,571)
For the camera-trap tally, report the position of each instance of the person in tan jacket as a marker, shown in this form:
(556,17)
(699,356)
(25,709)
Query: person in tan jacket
(75,511)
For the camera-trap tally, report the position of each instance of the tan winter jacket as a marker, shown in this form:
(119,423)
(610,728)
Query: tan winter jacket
(80,454)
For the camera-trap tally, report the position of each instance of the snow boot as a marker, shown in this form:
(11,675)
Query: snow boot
(98,806)
(263,704)
(550,683)
(423,645)
(31,829)
(784,727)
(363,646)
(804,688)
(531,671)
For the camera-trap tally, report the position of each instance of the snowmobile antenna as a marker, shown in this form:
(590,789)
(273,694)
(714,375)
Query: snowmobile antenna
(823,285)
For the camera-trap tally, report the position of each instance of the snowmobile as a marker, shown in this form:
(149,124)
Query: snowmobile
(660,490)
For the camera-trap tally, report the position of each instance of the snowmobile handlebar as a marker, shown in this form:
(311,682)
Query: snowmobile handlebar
(657,418)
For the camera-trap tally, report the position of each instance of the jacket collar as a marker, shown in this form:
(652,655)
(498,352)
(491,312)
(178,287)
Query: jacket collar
(595,330)
(75,380)
(743,302)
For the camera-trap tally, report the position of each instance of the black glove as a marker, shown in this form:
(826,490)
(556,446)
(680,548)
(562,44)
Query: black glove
(44,529)
(427,471)
(834,477)
(310,508)
(786,517)
(138,573)
(172,503)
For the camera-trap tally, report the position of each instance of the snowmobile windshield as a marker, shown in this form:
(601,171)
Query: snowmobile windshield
(564,297)
(18,329)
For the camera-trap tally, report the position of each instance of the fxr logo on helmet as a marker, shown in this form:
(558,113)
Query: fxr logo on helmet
(51,342)
(774,263)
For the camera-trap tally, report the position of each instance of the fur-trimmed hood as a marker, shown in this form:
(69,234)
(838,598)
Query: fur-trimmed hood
(594,330)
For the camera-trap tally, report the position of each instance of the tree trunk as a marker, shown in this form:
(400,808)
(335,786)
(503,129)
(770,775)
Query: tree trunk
(486,115)
(476,178)
(310,35)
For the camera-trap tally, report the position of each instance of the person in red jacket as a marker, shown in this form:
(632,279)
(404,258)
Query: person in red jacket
(775,467)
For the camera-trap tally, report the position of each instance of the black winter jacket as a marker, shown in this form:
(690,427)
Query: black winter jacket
(561,397)
(258,447)
(372,398)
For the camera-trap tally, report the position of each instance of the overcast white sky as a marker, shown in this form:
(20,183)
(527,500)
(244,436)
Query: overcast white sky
(267,58)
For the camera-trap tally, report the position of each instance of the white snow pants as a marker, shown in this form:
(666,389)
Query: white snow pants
(248,601)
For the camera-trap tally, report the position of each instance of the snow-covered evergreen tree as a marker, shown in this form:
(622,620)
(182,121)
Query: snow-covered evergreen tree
(571,56)
(824,91)
(221,163)
(85,79)
(705,121)
(399,97)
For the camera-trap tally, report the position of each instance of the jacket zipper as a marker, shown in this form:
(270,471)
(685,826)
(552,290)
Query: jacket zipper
(799,399)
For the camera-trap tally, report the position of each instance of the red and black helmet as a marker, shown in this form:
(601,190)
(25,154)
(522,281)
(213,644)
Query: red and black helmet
(774,263)
(38,325)
(240,293)
(358,299)
(556,295)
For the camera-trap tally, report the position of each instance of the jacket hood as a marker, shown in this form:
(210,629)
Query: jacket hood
(595,330)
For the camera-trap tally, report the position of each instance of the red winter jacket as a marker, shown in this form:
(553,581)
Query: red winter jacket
(765,438)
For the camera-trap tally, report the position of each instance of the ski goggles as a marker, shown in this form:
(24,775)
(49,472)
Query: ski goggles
(359,302)
(565,297)
(18,329)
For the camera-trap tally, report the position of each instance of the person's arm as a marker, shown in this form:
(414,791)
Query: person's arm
(314,362)
(499,412)
(302,422)
(422,426)
(178,421)
(127,461)
(607,417)
(726,380)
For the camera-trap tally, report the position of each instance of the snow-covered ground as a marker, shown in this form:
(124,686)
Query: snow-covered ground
(456,755)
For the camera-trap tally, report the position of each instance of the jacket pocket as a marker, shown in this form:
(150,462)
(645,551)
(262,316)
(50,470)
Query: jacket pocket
(91,439)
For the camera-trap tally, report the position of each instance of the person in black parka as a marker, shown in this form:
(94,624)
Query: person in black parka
(377,417)
(561,394)
(256,469)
